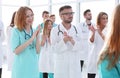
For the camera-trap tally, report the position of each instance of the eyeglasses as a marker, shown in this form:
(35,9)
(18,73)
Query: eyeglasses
(68,13)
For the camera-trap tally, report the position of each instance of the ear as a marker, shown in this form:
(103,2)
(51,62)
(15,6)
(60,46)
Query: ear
(84,16)
(60,15)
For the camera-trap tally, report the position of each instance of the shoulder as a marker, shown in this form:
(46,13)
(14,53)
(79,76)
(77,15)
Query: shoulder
(105,72)
(15,30)
(9,28)
(81,24)
(75,27)
(42,24)
(55,28)
(102,67)
(33,29)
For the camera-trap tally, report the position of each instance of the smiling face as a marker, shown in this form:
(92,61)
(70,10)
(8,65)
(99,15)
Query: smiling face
(24,17)
(49,25)
(104,20)
(29,17)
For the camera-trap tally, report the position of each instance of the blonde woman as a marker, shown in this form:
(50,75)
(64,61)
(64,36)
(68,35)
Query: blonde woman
(46,58)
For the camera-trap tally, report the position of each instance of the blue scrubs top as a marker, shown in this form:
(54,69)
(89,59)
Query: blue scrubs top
(26,63)
(54,24)
(105,73)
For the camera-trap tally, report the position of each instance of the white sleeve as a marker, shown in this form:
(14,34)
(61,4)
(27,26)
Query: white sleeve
(2,34)
(58,45)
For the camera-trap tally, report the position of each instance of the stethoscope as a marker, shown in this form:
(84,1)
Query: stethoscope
(59,31)
(27,36)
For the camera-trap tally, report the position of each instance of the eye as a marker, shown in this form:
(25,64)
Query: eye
(69,13)
(27,16)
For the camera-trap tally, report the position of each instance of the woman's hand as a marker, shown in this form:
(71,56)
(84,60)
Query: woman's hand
(93,33)
(36,32)
(92,29)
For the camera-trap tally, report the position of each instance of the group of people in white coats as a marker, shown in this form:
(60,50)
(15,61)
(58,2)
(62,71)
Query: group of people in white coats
(59,47)
(62,51)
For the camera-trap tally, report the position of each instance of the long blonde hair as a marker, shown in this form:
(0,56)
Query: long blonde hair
(112,47)
(46,27)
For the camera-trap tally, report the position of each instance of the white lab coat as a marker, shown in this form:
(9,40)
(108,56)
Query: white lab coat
(46,59)
(2,37)
(84,36)
(66,60)
(10,54)
(93,56)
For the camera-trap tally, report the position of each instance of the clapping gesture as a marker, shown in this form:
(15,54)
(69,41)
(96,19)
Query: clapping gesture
(68,38)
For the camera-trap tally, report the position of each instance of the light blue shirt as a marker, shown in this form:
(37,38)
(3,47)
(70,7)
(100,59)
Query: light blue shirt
(26,63)
(54,24)
(111,73)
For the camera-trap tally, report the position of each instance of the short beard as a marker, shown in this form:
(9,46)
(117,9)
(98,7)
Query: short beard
(68,21)
(89,19)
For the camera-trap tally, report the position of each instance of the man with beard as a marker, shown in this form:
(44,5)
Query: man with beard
(83,29)
(64,41)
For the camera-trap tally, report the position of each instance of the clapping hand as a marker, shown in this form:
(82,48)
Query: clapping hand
(36,32)
(92,29)
(68,38)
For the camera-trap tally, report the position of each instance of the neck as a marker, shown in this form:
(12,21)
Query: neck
(27,28)
(88,21)
(66,25)
(102,27)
